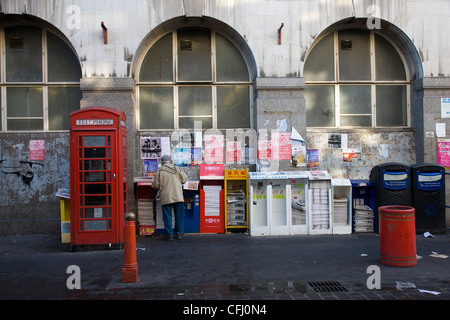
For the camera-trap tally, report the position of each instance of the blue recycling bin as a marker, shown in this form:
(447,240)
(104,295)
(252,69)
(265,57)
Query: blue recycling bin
(392,186)
(428,195)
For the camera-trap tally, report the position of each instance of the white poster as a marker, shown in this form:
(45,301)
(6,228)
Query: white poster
(445,107)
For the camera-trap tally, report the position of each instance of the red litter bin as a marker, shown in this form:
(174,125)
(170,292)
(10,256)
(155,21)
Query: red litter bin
(397,230)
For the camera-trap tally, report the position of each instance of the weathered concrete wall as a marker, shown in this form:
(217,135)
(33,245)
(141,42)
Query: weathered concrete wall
(377,146)
(27,199)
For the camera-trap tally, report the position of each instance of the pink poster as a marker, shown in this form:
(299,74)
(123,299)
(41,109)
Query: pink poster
(37,150)
(264,149)
(214,145)
(444,153)
(281,146)
(233,151)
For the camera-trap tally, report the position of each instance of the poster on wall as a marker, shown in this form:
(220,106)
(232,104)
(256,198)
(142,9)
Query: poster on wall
(214,145)
(351,155)
(154,147)
(37,150)
(191,139)
(150,167)
(184,157)
(443,153)
(337,141)
(281,146)
(233,151)
(313,158)
(264,149)
(445,107)
(181,157)
(299,158)
(195,156)
(150,148)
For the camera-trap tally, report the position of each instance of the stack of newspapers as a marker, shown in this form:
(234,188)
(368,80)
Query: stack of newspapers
(145,212)
(340,211)
(320,211)
(212,200)
(362,218)
(236,208)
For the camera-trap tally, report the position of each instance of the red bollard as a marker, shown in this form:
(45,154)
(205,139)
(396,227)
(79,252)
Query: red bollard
(129,270)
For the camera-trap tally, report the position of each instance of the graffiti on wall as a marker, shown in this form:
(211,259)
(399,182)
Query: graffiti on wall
(22,169)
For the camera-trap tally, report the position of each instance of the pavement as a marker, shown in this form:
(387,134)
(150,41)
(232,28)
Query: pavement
(225,267)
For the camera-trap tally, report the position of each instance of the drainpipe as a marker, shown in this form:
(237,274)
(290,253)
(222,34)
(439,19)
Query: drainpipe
(279,33)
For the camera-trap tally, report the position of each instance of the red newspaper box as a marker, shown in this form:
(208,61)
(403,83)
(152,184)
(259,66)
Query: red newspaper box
(212,197)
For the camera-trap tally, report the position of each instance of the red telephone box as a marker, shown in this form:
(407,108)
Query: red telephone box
(98,176)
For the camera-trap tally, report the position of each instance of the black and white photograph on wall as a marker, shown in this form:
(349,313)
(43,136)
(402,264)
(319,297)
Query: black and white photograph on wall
(334,141)
(150,147)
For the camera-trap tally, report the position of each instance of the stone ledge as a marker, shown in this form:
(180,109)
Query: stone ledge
(431,83)
(280,83)
(107,84)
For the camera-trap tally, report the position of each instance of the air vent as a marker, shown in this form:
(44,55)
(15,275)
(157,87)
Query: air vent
(186,45)
(327,286)
(16,43)
(346,44)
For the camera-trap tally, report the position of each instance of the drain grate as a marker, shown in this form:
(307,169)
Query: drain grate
(327,286)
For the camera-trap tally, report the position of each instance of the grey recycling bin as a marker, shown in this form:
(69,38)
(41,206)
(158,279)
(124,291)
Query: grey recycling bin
(392,186)
(428,196)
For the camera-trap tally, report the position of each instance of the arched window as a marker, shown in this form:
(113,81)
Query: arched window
(193,74)
(356,78)
(40,80)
